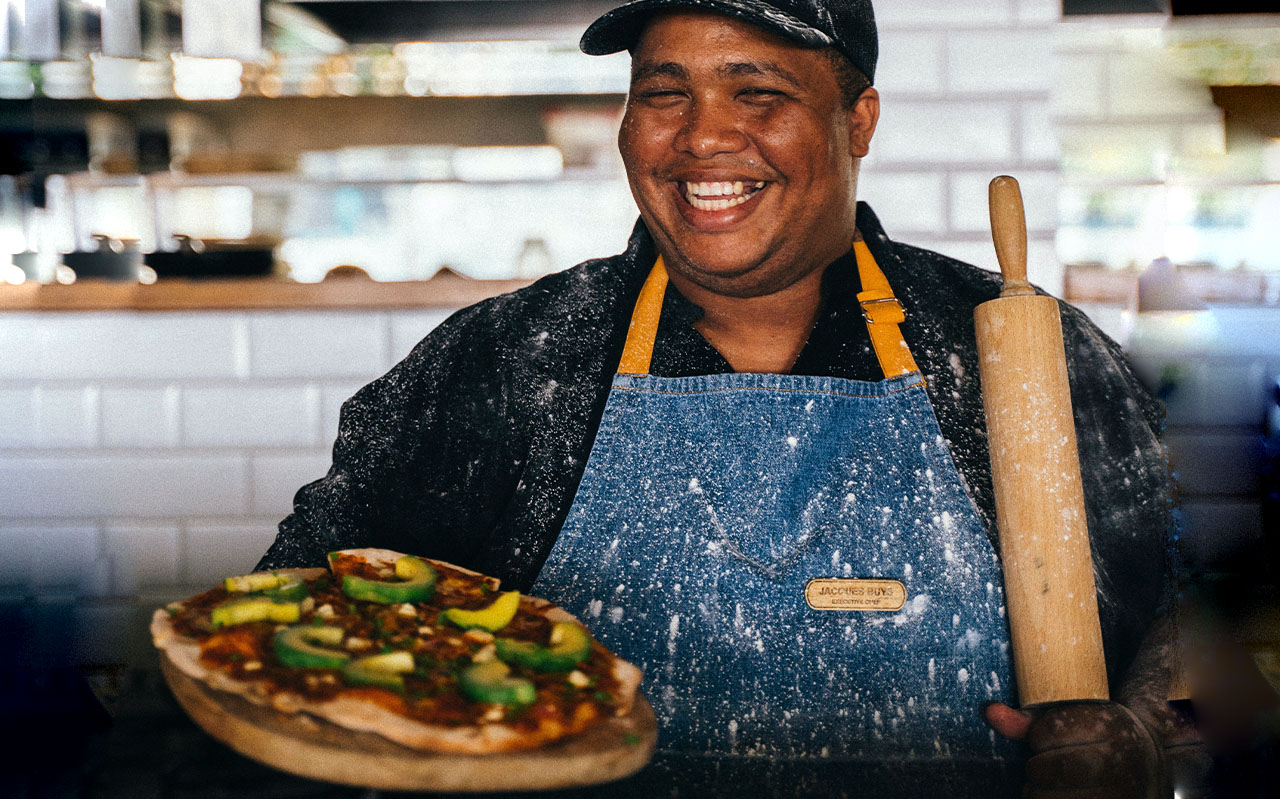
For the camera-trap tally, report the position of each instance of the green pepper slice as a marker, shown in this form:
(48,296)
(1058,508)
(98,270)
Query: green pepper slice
(283,587)
(310,647)
(492,682)
(254,608)
(492,618)
(381,671)
(570,646)
(416,583)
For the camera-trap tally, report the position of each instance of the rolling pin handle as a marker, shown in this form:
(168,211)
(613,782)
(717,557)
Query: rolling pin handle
(1009,233)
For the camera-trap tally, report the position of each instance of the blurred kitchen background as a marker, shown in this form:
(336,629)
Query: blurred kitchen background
(219,218)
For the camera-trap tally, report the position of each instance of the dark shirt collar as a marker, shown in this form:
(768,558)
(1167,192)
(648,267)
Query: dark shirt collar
(838,345)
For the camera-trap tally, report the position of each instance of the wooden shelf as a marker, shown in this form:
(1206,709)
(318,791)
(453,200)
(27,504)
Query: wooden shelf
(445,290)
(1096,284)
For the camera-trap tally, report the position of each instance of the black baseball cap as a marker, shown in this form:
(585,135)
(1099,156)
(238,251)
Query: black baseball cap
(847,25)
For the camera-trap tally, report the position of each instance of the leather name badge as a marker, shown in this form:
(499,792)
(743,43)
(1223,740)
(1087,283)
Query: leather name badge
(829,593)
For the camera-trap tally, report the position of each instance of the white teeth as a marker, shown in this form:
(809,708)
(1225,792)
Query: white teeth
(716,205)
(696,192)
(718,189)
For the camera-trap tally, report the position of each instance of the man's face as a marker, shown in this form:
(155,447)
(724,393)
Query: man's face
(740,152)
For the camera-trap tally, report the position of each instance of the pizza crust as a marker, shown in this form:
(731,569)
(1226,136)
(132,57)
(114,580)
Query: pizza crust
(363,716)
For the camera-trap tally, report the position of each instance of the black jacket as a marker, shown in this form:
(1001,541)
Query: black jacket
(471,449)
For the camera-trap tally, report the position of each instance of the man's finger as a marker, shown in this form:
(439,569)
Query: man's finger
(1008,722)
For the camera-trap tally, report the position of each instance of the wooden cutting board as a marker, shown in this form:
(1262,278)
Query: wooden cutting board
(313,748)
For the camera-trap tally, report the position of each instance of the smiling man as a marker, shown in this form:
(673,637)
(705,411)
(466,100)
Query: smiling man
(742,151)
(749,451)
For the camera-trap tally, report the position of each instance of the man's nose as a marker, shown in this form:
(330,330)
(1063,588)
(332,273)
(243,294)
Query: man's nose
(708,131)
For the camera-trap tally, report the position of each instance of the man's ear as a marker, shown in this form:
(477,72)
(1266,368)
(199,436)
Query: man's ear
(863,117)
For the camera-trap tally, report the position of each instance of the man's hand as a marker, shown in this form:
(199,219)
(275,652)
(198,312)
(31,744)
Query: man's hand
(1186,757)
(1085,750)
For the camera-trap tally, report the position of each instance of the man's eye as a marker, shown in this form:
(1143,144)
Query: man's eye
(759,93)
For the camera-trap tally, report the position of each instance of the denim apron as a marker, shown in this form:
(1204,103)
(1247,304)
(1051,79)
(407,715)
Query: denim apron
(793,561)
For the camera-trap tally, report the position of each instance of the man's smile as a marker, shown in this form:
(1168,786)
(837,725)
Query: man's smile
(720,195)
(715,206)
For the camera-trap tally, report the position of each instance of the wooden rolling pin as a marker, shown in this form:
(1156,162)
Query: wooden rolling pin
(1044,538)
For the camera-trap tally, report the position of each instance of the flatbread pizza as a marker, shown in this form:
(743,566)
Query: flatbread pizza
(428,655)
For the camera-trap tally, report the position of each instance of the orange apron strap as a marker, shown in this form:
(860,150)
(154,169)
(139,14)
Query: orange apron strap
(638,351)
(883,313)
(880,308)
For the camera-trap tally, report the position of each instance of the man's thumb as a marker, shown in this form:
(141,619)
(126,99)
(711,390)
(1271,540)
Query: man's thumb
(1008,722)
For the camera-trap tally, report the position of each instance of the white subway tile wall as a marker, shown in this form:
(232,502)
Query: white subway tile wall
(965,96)
(251,416)
(218,549)
(276,478)
(49,417)
(299,344)
(1080,84)
(17,417)
(408,328)
(944,132)
(1000,61)
(67,560)
(142,555)
(1041,137)
(141,417)
(18,349)
(907,203)
(913,65)
(66,417)
(1043,267)
(95,485)
(124,345)
(970,211)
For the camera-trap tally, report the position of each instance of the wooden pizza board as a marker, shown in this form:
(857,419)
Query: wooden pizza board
(314,748)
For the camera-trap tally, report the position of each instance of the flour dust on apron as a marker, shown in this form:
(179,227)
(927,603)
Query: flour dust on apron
(716,513)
